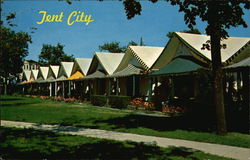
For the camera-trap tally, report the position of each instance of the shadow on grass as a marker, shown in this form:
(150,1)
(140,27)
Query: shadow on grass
(189,122)
(18,104)
(10,99)
(32,144)
(13,101)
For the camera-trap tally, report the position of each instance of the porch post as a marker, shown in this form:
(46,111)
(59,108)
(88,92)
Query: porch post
(117,86)
(69,89)
(90,89)
(23,88)
(150,90)
(108,87)
(50,89)
(55,88)
(172,87)
(133,85)
(238,80)
(63,89)
(39,89)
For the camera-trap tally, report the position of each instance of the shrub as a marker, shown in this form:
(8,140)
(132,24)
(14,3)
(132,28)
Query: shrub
(98,100)
(118,101)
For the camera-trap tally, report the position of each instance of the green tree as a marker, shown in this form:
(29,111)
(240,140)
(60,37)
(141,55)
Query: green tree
(193,31)
(114,47)
(14,48)
(219,15)
(53,55)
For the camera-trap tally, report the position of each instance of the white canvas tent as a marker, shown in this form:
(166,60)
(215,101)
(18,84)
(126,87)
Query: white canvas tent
(105,62)
(65,70)
(186,44)
(53,71)
(43,73)
(34,73)
(26,75)
(82,65)
(140,56)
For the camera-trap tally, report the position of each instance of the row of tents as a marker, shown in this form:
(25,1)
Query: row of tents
(141,70)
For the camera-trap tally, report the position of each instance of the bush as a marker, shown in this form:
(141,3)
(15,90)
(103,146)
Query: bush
(113,100)
(98,100)
(118,101)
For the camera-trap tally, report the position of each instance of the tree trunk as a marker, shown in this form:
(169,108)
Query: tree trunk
(246,100)
(217,82)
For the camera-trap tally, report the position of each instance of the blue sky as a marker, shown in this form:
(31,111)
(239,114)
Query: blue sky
(110,24)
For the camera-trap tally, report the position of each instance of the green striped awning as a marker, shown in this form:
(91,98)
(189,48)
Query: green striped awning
(177,66)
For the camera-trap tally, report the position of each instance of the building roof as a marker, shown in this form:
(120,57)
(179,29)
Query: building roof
(96,74)
(39,80)
(144,55)
(61,78)
(236,49)
(128,71)
(243,63)
(26,75)
(76,75)
(55,69)
(43,72)
(34,73)
(108,61)
(177,66)
(82,65)
(53,72)
(31,61)
(65,69)
(233,44)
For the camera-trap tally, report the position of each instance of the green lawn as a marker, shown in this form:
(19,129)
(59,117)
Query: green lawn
(33,144)
(85,115)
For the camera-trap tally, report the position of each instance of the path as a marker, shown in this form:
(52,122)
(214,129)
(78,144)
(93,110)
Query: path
(217,149)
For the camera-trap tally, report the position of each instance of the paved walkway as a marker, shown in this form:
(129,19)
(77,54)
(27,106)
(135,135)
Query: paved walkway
(221,150)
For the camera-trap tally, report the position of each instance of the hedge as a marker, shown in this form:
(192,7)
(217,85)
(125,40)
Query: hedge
(118,101)
(98,100)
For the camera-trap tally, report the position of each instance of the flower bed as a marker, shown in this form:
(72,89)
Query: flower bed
(59,99)
(139,103)
(173,110)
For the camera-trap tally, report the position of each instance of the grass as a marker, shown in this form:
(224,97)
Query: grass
(33,144)
(85,115)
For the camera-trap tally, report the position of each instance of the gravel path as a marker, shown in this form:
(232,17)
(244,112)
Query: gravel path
(217,149)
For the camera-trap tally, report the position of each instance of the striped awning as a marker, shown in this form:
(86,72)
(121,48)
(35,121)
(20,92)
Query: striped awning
(96,74)
(178,66)
(243,63)
(128,71)
(76,75)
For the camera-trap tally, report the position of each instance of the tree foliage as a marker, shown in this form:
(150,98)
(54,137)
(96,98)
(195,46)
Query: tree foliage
(114,47)
(14,48)
(193,31)
(227,13)
(53,55)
